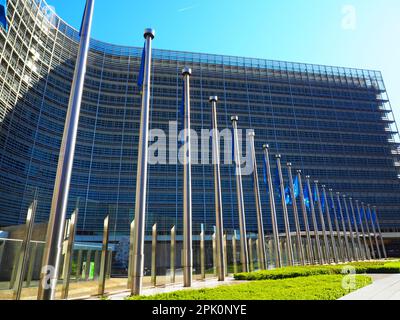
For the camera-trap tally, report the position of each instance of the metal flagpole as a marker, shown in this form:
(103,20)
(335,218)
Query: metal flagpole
(55,230)
(323,226)
(173,254)
(330,226)
(104,258)
(309,247)
(154,256)
(356,228)
(315,224)
(202,254)
(69,254)
(367,254)
(260,222)
(337,226)
(187,187)
(274,221)
(141,177)
(234,254)
(24,251)
(346,239)
(380,233)
(218,193)
(285,212)
(300,248)
(368,231)
(244,252)
(131,246)
(353,245)
(374,231)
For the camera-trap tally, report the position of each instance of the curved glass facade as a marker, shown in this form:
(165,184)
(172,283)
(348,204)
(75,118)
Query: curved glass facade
(334,123)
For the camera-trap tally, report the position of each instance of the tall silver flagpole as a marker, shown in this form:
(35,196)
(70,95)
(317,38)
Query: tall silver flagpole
(315,224)
(310,251)
(244,252)
(328,215)
(274,220)
(218,194)
(300,248)
(141,177)
(285,213)
(380,233)
(187,188)
(337,226)
(346,239)
(360,256)
(366,251)
(353,245)
(372,250)
(55,230)
(260,223)
(374,231)
(323,226)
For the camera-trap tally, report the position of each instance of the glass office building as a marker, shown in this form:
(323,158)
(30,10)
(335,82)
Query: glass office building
(336,124)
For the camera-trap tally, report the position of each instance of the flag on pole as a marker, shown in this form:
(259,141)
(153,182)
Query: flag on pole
(362,214)
(315,194)
(307,201)
(277,182)
(288,197)
(296,187)
(3,14)
(374,216)
(368,214)
(141,71)
(323,202)
(265,171)
(265,174)
(331,203)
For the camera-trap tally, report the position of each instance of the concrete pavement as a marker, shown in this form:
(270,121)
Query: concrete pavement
(384,287)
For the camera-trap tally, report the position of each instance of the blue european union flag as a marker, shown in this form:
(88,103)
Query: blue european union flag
(331,203)
(374,216)
(3,14)
(265,171)
(288,198)
(277,182)
(141,71)
(307,201)
(362,213)
(369,214)
(296,187)
(315,194)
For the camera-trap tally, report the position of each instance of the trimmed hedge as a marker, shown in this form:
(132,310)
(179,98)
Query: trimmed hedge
(295,272)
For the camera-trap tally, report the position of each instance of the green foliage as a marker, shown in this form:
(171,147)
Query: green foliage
(319,287)
(295,272)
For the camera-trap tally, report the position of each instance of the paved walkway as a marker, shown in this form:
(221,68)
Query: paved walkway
(385,287)
(211,283)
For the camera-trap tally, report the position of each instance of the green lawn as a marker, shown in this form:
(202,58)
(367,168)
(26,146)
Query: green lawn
(319,287)
(290,283)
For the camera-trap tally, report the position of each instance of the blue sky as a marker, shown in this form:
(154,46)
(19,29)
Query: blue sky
(351,33)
